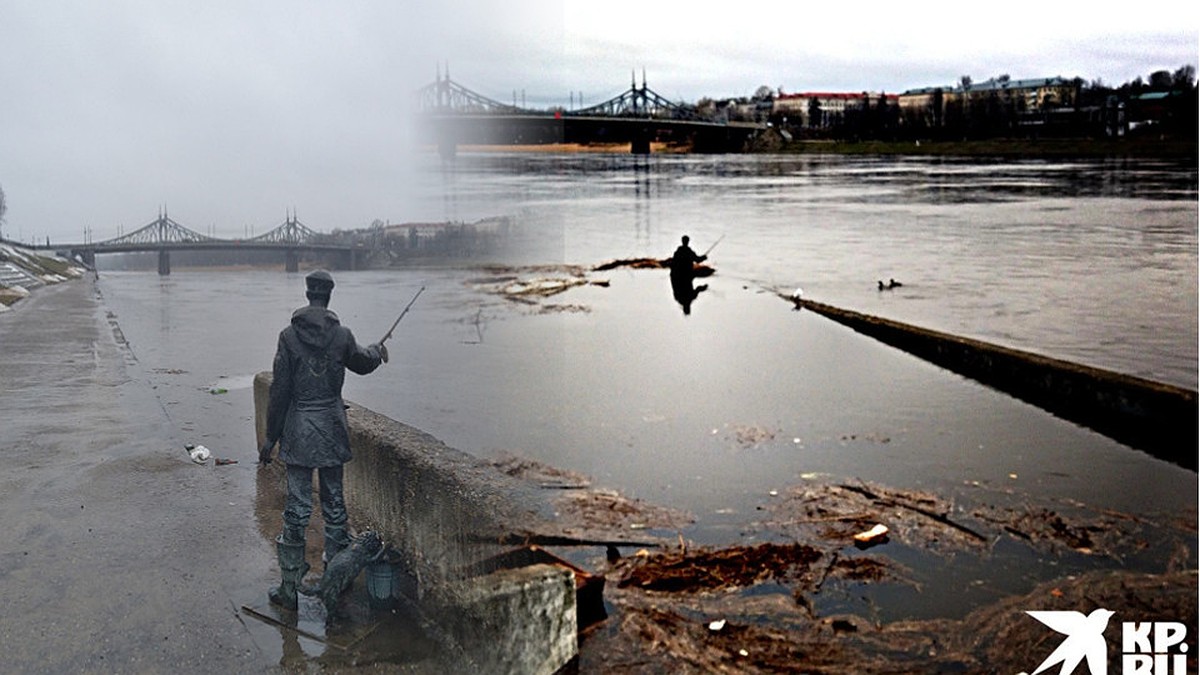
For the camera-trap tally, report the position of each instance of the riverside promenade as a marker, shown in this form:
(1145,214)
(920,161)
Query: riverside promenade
(117,553)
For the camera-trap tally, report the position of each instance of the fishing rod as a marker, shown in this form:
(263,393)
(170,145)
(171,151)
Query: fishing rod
(714,245)
(397,322)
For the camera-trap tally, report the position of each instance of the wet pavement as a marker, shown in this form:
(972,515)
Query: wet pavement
(120,554)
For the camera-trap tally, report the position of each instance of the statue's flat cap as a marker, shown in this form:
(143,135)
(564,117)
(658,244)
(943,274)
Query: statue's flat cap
(319,281)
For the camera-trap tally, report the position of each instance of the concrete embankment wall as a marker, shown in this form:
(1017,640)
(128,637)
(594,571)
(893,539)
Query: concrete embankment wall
(445,513)
(1158,418)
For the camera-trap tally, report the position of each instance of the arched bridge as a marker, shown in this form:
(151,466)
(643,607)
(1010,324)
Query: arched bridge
(163,235)
(638,116)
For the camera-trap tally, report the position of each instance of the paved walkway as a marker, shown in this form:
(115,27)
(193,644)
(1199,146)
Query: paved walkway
(117,553)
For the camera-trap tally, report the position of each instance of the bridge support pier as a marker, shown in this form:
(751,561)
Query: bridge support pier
(88,258)
(292,260)
(640,145)
(164,262)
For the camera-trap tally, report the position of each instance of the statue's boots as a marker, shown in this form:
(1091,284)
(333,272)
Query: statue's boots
(292,568)
(336,539)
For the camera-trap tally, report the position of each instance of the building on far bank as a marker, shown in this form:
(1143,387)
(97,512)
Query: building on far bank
(996,102)
(817,110)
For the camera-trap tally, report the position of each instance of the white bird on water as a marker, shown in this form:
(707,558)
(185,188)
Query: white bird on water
(797,297)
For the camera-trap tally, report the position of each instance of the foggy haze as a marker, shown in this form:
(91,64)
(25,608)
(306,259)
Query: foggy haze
(230,114)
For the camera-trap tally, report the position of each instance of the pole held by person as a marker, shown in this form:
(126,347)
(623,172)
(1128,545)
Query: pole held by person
(397,322)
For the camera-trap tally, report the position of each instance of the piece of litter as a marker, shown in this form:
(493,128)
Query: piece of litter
(637,526)
(796,440)
(198,453)
(743,652)
(218,390)
(717,625)
(774,493)
(221,461)
(1012,476)
(872,534)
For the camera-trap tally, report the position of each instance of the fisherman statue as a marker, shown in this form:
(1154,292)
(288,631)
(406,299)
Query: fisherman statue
(307,418)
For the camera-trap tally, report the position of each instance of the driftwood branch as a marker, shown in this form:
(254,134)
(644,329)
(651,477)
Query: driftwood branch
(933,515)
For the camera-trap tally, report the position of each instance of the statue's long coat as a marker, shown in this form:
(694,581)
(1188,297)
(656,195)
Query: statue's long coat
(306,413)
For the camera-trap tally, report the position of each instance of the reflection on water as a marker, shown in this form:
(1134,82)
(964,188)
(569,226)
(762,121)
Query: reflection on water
(685,291)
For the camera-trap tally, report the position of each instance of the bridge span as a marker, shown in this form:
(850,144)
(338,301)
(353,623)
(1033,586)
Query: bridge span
(455,116)
(291,239)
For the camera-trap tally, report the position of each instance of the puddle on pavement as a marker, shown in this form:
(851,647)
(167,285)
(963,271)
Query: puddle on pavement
(359,634)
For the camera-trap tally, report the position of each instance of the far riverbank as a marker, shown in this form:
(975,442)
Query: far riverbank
(1054,148)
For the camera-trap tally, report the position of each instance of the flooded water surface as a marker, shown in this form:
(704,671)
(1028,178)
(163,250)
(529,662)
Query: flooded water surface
(719,411)
(1089,261)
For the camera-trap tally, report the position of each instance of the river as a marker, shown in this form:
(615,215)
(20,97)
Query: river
(716,411)
(1090,261)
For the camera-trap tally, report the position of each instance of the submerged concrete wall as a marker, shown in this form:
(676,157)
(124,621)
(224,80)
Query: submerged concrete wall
(1158,418)
(446,513)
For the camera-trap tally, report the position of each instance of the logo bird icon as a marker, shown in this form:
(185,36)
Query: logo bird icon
(1085,640)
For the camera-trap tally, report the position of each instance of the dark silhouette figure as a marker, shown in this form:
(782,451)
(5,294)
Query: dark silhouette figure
(683,273)
(307,417)
(892,283)
(683,262)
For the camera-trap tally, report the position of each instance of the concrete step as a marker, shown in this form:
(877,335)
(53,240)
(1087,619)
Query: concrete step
(13,275)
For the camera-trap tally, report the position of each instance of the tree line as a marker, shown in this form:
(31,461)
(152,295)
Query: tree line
(1164,105)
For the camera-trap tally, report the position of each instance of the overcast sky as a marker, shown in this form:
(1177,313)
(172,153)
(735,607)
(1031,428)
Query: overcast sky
(232,112)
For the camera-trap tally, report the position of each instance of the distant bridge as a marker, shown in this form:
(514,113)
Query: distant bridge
(637,116)
(163,235)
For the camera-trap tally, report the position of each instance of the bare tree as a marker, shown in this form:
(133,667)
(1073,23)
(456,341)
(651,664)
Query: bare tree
(1184,77)
(1160,80)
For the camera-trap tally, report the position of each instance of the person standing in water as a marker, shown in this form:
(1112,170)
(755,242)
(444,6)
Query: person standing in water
(683,262)
(683,272)
(307,418)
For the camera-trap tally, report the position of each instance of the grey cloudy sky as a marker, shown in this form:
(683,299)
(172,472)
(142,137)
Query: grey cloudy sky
(231,112)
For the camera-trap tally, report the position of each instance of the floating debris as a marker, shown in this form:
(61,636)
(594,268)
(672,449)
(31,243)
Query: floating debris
(698,270)
(542,287)
(875,535)
(751,436)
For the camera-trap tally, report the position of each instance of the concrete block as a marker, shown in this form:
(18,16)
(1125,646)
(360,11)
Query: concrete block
(515,620)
